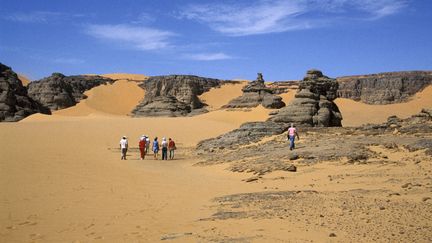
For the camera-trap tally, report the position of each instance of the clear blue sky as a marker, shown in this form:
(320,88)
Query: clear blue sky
(220,39)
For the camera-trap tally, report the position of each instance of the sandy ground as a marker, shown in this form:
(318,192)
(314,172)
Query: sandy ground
(357,113)
(217,97)
(62,179)
(24,79)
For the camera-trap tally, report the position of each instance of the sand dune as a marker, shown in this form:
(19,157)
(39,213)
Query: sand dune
(119,98)
(217,97)
(127,76)
(24,80)
(62,180)
(357,113)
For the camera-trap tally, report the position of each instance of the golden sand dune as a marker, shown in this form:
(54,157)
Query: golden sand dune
(357,113)
(127,76)
(62,179)
(119,98)
(217,97)
(24,80)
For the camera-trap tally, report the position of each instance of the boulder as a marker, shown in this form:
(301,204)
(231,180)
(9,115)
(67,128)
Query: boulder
(383,88)
(59,91)
(256,93)
(313,104)
(15,103)
(174,95)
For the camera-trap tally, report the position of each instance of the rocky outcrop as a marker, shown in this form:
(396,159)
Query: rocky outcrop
(254,94)
(174,95)
(59,91)
(383,88)
(247,133)
(15,104)
(313,104)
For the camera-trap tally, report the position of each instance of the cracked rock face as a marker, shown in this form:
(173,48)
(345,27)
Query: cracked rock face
(256,93)
(383,88)
(59,91)
(15,103)
(174,95)
(313,104)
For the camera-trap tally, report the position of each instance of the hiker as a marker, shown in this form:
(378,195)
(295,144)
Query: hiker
(292,133)
(155,148)
(164,146)
(123,147)
(147,144)
(171,148)
(142,146)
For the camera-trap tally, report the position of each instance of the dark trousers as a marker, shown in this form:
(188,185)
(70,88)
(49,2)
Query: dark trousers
(123,151)
(292,144)
(164,154)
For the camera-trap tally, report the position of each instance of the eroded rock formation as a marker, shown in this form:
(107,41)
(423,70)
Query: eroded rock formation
(313,104)
(254,94)
(59,91)
(15,104)
(383,88)
(174,95)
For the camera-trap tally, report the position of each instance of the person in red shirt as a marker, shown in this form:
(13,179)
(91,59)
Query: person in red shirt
(171,148)
(142,147)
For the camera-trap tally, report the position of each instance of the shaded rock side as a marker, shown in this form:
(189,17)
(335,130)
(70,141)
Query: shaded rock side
(250,132)
(383,88)
(174,95)
(256,93)
(15,104)
(59,91)
(313,104)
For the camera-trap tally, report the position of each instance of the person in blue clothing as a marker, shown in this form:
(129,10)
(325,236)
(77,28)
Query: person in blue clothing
(156,148)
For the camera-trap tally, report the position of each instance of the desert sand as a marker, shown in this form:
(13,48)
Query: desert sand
(62,179)
(24,80)
(358,113)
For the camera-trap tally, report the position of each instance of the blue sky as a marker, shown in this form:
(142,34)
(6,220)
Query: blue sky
(220,39)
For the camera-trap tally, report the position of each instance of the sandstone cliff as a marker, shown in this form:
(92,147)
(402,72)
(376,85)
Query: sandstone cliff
(59,91)
(174,95)
(15,104)
(383,88)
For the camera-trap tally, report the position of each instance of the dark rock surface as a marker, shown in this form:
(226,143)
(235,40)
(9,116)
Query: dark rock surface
(256,93)
(313,104)
(247,133)
(248,152)
(174,95)
(59,91)
(383,88)
(15,104)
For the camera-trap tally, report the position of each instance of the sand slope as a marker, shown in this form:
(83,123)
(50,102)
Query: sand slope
(357,113)
(119,98)
(24,80)
(217,97)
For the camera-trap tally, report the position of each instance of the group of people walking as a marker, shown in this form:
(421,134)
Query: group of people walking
(144,146)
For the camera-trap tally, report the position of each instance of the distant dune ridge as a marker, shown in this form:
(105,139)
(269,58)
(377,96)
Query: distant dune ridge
(140,95)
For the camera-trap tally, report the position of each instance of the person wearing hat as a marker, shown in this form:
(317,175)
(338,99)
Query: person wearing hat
(142,146)
(123,147)
(147,139)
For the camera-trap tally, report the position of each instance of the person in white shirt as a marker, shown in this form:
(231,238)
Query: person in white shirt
(164,146)
(123,147)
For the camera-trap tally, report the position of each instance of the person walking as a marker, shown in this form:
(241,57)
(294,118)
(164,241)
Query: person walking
(123,147)
(156,148)
(164,146)
(147,140)
(171,148)
(142,146)
(292,133)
